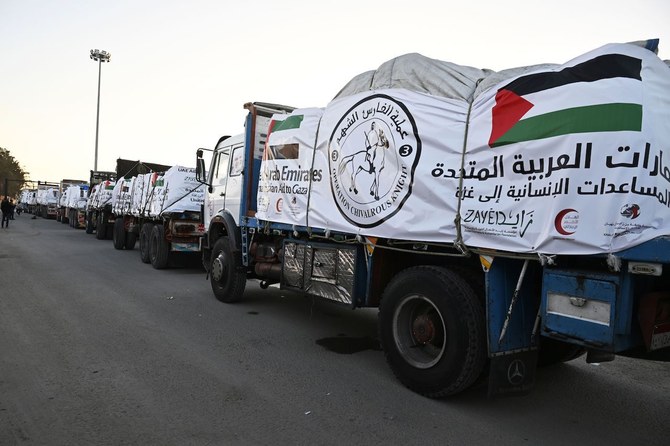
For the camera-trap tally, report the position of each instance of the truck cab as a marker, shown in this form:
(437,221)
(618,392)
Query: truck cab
(232,179)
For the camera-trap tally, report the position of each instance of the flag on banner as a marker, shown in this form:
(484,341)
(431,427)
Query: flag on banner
(515,100)
(288,132)
(283,142)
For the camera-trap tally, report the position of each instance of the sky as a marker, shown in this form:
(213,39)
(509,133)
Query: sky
(181,71)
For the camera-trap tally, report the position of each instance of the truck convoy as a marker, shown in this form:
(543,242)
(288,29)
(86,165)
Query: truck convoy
(498,220)
(100,217)
(163,210)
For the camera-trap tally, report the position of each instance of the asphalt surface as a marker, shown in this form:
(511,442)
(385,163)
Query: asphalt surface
(97,348)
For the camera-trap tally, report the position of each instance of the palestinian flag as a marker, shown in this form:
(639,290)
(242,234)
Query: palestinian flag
(576,99)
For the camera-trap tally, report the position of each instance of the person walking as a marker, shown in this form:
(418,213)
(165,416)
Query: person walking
(6,209)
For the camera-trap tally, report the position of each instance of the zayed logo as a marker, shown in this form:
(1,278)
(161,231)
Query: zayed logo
(373,152)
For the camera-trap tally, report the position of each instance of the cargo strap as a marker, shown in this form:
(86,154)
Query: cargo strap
(459,243)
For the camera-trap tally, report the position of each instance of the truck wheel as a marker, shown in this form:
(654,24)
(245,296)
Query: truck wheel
(131,239)
(145,242)
(432,330)
(159,249)
(554,352)
(89,224)
(118,234)
(226,275)
(100,228)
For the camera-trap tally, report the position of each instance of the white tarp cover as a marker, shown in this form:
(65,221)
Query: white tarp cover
(27,196)
(176,190)
(548,159)
(101,194)
(47,196)
(62,200)
(76,197)
(138,194)
(121,196)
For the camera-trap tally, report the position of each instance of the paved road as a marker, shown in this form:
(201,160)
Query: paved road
(97,348)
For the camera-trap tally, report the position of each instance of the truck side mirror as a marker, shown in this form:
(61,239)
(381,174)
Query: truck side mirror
(200,169)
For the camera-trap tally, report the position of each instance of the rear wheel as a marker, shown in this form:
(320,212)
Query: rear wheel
(131,239)
(227,275)
(100,227)
(159,249)
(145,242)
(89,223)
(432,330)
(119,234)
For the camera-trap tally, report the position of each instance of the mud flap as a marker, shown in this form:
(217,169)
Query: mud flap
(512,374)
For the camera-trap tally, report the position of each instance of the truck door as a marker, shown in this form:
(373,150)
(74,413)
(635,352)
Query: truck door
(219,180)
(227,179)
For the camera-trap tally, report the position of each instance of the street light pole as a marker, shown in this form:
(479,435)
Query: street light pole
(99,56)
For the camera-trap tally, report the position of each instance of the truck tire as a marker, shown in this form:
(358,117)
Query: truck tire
(432,330)
(555,352)
(131,239)
(89,224)
(145,242)
(159,249)
(226,274)
(100,228)
(118,234)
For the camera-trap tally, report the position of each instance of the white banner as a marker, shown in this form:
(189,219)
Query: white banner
(564,160)
(176,191)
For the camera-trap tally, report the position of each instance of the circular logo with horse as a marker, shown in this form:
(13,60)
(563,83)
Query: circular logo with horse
(373,150)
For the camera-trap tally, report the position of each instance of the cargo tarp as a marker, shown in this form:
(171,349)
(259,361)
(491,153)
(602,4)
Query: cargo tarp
(76,197)
(101,194)
(177,191)
(547,159)
(121,196)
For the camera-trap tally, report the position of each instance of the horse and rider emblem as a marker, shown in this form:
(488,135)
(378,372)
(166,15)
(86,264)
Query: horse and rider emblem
(373,151)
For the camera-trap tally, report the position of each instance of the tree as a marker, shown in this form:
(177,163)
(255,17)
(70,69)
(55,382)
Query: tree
(12,177)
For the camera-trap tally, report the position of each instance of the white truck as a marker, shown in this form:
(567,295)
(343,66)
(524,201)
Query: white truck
(75,199)
(46,200)
(163,210)
(27,200)
(62,214)
(498,220)
(99,209)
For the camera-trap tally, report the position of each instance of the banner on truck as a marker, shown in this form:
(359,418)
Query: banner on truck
(568,159)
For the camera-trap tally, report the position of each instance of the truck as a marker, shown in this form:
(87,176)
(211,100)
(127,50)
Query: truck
(75,206)
(27,200)
(102,216)
(499,221)
(62,211)
(98,206)
(163,211)
(46,199)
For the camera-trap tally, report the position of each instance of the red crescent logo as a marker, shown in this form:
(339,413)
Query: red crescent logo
(558,222)
(278,205)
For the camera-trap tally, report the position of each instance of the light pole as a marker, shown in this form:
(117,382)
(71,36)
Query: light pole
(99,56)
